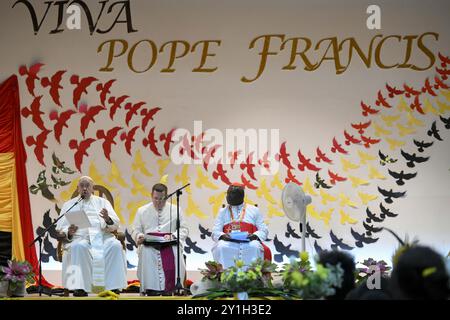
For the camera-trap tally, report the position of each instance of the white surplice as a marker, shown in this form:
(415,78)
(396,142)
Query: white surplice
(150,271)
(93,256)
(226,252)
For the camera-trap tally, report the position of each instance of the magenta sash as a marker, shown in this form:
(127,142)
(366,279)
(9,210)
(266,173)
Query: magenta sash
(168,263)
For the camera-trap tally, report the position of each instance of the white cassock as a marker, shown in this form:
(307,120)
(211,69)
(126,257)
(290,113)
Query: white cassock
(150,266)
(94,256)
(226,252)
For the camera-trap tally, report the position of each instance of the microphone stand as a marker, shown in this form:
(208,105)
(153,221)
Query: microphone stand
(39,239)
(178,285)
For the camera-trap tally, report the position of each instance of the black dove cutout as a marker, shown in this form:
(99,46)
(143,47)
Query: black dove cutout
(46,222)
(391,194)
(42,186)
(401,176)
(361,238)
(59,165)
(317,247)
(58,182)
(412,158)
(192,245)
(49,249)
(283,250)
(384,159)
(311,232)
(385,212)
(371,229)
(434,132)
(422,145)
(446,121)
(291,232)
(130,243)
(320,183)
(204,232)
(338,243)
(372,217)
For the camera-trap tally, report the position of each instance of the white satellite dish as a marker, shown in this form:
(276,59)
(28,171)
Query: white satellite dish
(294,202)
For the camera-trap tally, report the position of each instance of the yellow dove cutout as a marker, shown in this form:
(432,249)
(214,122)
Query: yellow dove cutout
(183,178)
(203,180)
(345,201)
(348,165)
(67,194)
(193,208)
(133,207)
(326,197)
(164,179)
(312,212)
(389,120)
(325,216)
(139,165)
(356,182)
(403,106)
(97,177)
(276,182)
(412,121)
(380,131)
(216,202)
(274,211)
(375,174)
(428,107)
(162,164)
(115,175)
(365,157)
(138,187)
(118,207)
(263,191)
(308,188)
(345,218)
(404,131)
(446,94)
(366,198)
(443,107)
(394,144)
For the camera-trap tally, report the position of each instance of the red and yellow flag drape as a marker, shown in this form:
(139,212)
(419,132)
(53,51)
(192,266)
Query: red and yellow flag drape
(15,211)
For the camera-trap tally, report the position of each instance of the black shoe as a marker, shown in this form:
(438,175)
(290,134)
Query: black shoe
(80,293)
(116,291)
(152,293)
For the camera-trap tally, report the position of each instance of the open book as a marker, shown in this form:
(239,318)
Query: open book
(157,240)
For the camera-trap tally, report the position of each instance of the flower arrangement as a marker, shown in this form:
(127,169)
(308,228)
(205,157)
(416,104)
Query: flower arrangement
(16,274)
(300,280)
(369,267)
(255,279)
(213,271)
(248,278)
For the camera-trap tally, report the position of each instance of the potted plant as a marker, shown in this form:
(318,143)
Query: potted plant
(240,281)
(301,281)
(14,278)
(210,280)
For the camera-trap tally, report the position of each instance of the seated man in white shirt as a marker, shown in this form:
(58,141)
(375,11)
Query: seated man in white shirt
(93,256)
(239,217)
